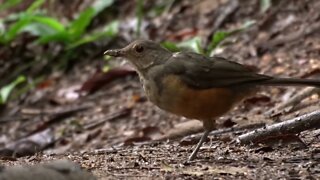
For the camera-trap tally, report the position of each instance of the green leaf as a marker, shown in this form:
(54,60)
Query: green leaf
(21,15)
(217,38)
(220,36)
(8,4)
(265,5)
(50,22)
(170,46)
(6,90)
(34,6)
(100,5)
(78,26)
(36,25)
(247,24)
(243,27)
(86,39)
(15,29)
(49,29)
(43,26)
(139,16)
(23,20)
(62,36)
(14,16)
(111,30)
(2,28)
(38,29)
(194,44)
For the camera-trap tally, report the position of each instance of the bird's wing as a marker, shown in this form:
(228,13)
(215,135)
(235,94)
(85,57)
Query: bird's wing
(199,71)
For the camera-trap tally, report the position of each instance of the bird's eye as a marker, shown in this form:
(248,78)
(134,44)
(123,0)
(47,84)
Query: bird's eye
(138,48)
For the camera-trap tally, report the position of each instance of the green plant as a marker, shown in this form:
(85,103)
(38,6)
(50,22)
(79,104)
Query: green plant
(9,3)
(265,5)
(220,36)
(22,20)
(195,44)
(140,14)
(49,29)
(6,90)
(46,29)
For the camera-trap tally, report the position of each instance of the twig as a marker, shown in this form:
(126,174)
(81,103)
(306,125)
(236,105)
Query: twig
(121,113)
(57,111)
(293,126)
(122,149)
(58,115)
(130,175)
(227,130)
(294,100)
(9,119)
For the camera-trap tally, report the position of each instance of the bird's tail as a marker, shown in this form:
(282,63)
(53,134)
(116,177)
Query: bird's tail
(291,82)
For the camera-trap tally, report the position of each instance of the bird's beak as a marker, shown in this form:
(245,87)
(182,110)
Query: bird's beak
(114,52)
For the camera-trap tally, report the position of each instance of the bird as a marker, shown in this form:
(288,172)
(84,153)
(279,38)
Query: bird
(196,86)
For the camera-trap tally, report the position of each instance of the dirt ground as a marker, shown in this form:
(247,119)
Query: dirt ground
(112,132)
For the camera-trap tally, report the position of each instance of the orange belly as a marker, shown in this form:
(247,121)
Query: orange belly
(202,104)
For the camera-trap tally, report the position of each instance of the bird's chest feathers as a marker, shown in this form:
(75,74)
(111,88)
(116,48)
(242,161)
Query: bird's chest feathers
(171,94)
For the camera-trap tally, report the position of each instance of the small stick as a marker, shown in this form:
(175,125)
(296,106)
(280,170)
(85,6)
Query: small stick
(227,130)
(119,114)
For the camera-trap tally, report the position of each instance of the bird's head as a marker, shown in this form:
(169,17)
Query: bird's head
(143,54)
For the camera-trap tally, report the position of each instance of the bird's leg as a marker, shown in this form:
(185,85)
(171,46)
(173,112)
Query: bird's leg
(195,151)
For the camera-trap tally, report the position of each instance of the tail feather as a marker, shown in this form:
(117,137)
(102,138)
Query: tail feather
(292,82)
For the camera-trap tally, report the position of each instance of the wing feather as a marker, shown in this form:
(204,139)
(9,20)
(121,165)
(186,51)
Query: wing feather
(211,72)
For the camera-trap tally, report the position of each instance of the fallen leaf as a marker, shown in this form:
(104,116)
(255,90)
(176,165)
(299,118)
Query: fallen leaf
(45,84)
(66,95)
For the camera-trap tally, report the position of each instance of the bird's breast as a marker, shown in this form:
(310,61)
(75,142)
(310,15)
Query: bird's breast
(170,93)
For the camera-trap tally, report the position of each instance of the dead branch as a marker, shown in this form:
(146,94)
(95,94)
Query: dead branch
(119,114)
(293,126)
(197,137)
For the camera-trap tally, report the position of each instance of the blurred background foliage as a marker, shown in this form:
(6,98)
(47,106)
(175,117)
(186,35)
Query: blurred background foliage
(37,40)
(40,37)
